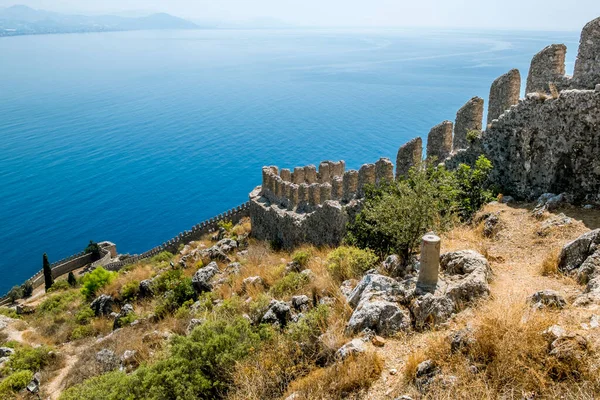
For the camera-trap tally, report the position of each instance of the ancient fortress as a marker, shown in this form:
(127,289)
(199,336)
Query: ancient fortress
(547,142)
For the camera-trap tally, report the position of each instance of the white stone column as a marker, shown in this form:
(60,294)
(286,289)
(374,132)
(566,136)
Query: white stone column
(430,263)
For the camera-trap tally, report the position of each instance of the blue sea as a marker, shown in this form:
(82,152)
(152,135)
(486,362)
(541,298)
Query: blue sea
(134,137)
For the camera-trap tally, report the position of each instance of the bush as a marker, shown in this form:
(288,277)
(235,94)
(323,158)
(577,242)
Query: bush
(396,216)
(14,383)
(227,225)
(161,257)
(27,289)
(15,294)
(96,280)
(198,366)
(177,290)
(29,358)
(84,316)
(82,332)
(59,303)
(130,290)
(289,284)
(350,262)
(301,257)
(9,312)
(71,279)
(473,187)
(57,286)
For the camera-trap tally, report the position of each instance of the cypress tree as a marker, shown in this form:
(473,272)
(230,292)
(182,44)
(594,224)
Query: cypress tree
(72,280)
(47,273)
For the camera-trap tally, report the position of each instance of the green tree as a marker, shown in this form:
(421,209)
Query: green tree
(71,279)
(93,248)
(27,289)
(15,294)
(48,279)
(473,186)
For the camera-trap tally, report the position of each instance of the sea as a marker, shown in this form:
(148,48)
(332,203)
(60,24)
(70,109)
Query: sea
(134,137)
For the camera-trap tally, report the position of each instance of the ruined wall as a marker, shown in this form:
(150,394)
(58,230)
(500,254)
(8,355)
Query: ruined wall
(547,66)
(439,141)
(587,65)
(409,155)
(505,92)
(468,118)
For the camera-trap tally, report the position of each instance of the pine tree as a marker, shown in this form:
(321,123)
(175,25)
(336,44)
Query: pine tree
(72,280)
(48,279)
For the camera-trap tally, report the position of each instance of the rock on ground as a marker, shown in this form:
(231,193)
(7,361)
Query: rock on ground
(202,278)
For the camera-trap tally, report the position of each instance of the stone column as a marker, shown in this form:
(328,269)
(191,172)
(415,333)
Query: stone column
(314,195)
(337,168)
(430,264)
(384,171)
(337,188)
(408,156)
(325,192)
(547,66)
(587,66)
(324,172)
(302,193)
(505,92)
(468,118)
(278,188)
(310,174)
(366,176)
(293,203)
(439,141)
(286,175)
(266,171)
(350,185)
(298,176)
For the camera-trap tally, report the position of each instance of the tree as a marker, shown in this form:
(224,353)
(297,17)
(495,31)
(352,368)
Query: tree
(48,279)
(27,289)
(15,294)
(71,279)
(93,248)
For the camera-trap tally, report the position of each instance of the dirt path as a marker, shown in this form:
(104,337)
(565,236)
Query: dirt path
(515,255)
(54,388)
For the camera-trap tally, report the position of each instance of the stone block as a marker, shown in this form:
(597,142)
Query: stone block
(505,92)
(468,118)
(409,155)
(439,141)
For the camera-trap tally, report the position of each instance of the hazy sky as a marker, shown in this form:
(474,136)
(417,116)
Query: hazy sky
(509,14)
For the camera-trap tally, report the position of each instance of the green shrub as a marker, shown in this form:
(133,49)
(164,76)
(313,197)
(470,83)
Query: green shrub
(473,187)
(14,383)
(258,306)
(396,216)
(29,358)
(15,294)
(27,289)
(301,257)
(96,280)
(9,312)
(82,332)
(289,284)
(71,279)
(350,262)
(473,135)
(84,316)
(58,286)
(177,290)
(227,225)
(198,366)
(308,330)
(59,303)
(130,290)
(161,257)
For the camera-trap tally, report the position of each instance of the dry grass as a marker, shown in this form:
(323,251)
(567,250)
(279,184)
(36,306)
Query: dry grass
(139,273)
(341,379)
(549,266)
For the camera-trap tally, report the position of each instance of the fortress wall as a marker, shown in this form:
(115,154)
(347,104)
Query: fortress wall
(468,118)
(505,92)
(409,155)
(547,66)
(384,171)
(587,66)
(366,176)
(439,141)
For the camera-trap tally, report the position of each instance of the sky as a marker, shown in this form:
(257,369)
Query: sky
(493,14)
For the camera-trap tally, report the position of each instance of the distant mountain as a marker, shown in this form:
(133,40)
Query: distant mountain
(23,20)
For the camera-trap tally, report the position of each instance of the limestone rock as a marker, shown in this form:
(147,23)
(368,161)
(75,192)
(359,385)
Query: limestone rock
(383,317)
(146,289)
(348,286)
(34,385)
(194,322)
(107,360)
(426,373)
(129,360)
(461,340)
(547,298)
(376,285)
(354,347)
(301,303)
(202,278)
(570,346)
(431,310)
(467,273)
(574,253)
(255,282)
(102,305)
(126,310)
(6,351)
(491,225)
(378,341)
(279,312)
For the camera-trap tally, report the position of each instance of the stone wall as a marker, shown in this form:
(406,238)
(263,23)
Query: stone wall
(439,141)
(409,155)
(468,118)
(547,66)
(504,93)
(587,65)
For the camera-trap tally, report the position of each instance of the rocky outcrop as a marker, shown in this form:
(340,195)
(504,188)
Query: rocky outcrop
(102,305)
(351,348)
(126,310)
(278,312)
(581,258)
(203,277)
(547,298)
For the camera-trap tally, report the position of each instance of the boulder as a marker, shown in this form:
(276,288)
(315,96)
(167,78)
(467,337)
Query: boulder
(467,274)
(547,298)
(6,352)
(126,310)
(461,340)
(374,285)
(353,347)
(301,303)
(278,312)
(589,269)
(347,287)
(34,385)
(254,282)
(102,305)
(553,222)
(129,360)
(202,278)
(426,374)
(227,245)
(382,316)
(574,253)
(234,268)
(569,347)
(491,226)
(107,360)
(553,333)
(431,310)
(146,288)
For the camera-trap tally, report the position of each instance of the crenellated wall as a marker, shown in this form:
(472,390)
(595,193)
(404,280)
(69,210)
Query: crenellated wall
(504,93)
